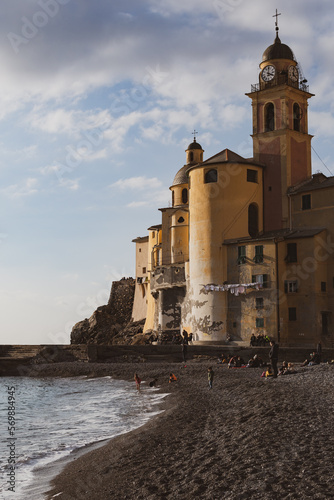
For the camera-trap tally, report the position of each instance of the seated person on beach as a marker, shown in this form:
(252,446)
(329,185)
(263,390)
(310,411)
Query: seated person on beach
(221,359)
(232,361)
(283,368)
(153,382)
(268,372)
(172,378)
(255,362)
(313,360)
(236,362)
(290,368)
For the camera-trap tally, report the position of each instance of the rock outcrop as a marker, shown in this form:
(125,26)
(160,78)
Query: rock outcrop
(107,323)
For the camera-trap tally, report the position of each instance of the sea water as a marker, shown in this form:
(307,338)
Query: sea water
(54,416)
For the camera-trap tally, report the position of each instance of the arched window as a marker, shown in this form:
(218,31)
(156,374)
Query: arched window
(253,220)
(296,117)
(210,176)
(184,196)
(191,156)
(269,117)
(173,196)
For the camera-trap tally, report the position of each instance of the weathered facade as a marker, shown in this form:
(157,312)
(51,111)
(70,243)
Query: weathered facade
(263,220)
(139,310)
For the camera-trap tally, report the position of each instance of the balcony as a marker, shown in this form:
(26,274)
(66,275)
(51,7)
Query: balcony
(164,277)
(282,79)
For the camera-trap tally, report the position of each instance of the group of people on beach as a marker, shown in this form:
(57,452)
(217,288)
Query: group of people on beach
(285,369)
(254,362)
(172,378)
(271,368)
(257,362)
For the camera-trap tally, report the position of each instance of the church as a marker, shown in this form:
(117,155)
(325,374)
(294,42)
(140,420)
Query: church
(247,245)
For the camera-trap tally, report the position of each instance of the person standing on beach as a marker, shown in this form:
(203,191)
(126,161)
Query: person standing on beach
(137,380)
(273,356)
(184,347)
(210,376)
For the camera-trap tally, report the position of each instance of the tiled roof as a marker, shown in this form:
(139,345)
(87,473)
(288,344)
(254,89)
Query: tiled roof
(317,181)
(140,239)
(181,176)
(225,156)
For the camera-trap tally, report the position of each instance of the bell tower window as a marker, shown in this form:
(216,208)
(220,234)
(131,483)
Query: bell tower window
(296,117)
(191,156)
(269,117)
(184,196)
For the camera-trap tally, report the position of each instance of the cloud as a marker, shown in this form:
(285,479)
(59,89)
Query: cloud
(137,204)
(137,183)
(53,122)
(322,123)
(26,188)
(152,191)
(71,184)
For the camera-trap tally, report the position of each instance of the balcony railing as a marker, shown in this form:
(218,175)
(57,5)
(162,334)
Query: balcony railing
(280,80)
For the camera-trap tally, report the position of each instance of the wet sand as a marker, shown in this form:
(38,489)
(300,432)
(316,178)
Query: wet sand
(248,437)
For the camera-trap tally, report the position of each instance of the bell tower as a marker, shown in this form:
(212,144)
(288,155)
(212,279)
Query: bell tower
(280,129)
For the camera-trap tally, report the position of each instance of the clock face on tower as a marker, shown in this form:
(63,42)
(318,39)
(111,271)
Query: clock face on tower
(268,73)
(293,73)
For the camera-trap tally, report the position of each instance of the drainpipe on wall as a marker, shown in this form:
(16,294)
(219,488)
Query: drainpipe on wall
(290,211)
(277,294)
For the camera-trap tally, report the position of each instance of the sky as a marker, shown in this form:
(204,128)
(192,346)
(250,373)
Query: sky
(98,102)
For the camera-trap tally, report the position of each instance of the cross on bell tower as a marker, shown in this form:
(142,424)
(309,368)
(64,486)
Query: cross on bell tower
(276,22)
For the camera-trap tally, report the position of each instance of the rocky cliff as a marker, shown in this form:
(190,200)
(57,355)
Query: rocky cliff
(110,324)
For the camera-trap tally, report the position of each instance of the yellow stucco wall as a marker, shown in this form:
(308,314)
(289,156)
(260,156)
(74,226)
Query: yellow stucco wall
(309,301)
(142,276)
(244,309)
(218,211)
(179,236)
(177,196)
(154,259)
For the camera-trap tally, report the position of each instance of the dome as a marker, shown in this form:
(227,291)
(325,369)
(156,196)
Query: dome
(181,177)
(278,51)
(194,145)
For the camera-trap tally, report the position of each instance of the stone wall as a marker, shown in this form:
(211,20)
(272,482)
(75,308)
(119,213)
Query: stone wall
(108,321)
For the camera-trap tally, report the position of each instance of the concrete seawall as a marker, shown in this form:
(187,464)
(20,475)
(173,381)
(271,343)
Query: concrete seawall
(14,360)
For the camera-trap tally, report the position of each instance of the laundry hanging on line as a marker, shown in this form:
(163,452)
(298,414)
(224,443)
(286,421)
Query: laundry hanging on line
(235,289)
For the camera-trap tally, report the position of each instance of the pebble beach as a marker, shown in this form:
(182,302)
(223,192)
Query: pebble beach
(248,437)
